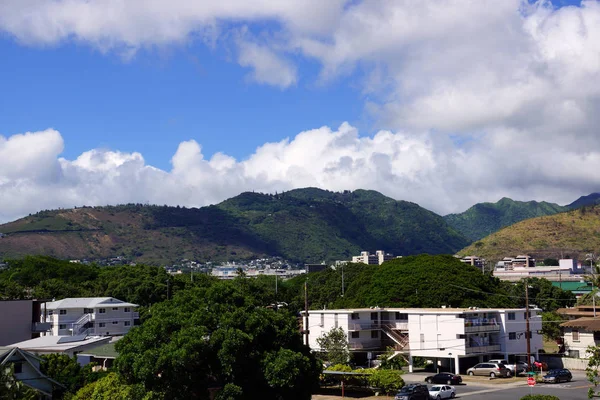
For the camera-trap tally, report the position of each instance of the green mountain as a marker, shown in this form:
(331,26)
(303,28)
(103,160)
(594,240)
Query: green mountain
(484,219)
(304,225)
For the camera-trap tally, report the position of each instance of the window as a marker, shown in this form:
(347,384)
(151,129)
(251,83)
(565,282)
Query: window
(50,312)
(335,320)
(355,335)
(101,324)
(127,323)
(88,310)
(528,334)
(401,316)
(18,367)
(115,322)
(62,326)
(115,308)
(127,309)
(374,316)
(576,335)
(374,334)
(63,312)
(355,316)
(596,336)
(322,319)
(511,316)
(102,310)
(512,335)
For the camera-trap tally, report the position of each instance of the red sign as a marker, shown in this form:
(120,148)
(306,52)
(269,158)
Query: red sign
(531,381)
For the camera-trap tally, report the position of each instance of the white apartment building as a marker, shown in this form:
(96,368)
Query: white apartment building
(455,337)
(567,270)
(378,258)
(92,316)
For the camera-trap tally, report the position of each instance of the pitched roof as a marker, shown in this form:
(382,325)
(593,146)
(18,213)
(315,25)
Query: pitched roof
(589,324)
(88,302)
(574,286)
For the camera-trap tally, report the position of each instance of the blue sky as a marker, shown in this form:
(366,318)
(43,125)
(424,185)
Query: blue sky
(158,99)
(175,102)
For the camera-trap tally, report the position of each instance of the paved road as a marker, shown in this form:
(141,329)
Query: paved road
(574,390)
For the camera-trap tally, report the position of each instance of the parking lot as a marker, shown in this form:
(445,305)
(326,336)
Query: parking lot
(496,389)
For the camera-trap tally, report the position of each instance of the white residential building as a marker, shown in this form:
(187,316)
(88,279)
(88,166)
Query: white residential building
(567,270)
(456,337)
(579,334)
(94,316)
(378,258)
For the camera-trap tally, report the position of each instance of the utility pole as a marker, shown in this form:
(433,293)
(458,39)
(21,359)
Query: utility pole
(342,280)
(527,332)
(168,289)
(306,331)
(275,284)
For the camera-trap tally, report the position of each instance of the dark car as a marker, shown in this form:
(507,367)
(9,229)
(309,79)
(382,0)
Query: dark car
(557,375)
(415,391)
(444,378)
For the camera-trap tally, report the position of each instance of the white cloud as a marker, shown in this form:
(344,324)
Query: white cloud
(478,99)
(422,168)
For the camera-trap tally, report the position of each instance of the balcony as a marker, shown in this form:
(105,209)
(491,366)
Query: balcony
(40,327)
(482,328)
(369,344)
(495,348)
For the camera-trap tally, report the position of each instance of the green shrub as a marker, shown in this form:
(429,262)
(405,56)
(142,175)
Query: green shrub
(539,397)
(388,380)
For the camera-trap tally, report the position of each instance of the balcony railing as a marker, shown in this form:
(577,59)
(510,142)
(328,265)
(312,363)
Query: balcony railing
(483,349)
(39,327)
(375,325)
(370,344)
(482,328)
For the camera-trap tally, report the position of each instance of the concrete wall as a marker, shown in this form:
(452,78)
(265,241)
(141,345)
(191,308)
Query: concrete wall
(428,333)
(556,361)
(16,321)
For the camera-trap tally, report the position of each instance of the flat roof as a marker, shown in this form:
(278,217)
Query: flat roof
(54,344)
(104,351)
(439,310)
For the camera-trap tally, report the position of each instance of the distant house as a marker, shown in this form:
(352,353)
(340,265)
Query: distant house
(26,368)
(579,334)
(372,259)
(99,316)
(103,356)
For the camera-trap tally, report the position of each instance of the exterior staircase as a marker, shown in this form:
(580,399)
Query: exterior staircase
(401,339)
(82,325)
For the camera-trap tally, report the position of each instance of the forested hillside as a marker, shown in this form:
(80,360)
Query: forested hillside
(304,225)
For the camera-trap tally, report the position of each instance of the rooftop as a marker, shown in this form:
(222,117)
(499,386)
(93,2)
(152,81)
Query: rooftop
(88,302)
(589,324)
(105,351)
(439,310)
(59,344)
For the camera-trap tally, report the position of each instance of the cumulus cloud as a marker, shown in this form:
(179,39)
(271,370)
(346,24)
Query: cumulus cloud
(414,167)
(474,100)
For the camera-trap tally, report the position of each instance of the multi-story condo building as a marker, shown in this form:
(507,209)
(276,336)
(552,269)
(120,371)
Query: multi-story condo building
(474,261)
(378,258)
(457,338)
(93,316)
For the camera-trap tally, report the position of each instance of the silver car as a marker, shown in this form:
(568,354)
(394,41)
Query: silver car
(489,369)
(439,392)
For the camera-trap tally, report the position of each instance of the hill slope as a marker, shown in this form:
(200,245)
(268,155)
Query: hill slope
(485,218)
(572,233)
(300,225)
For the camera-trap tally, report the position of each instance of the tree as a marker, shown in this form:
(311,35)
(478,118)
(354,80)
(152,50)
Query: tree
(391,360)
(218,336)
(334,345)
(67,371)
(592,369)
(551,325)
(112,387)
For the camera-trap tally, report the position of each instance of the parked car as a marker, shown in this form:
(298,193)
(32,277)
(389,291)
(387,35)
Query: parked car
(414,391)
(557,375)
(439,392)
(489,369)
(513,369)
(444,377)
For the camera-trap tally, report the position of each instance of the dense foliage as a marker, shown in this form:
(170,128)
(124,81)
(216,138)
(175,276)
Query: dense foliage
(68,372)
(485,218)
(334,345)
(219,335)
(304,225)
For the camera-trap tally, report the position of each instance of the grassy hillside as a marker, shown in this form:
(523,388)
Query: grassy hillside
(485,218)
(571,233)
(300,225)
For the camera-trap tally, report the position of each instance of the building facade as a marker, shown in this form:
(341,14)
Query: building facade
(21,320)
(456,338)
(92,316)
(378,258)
